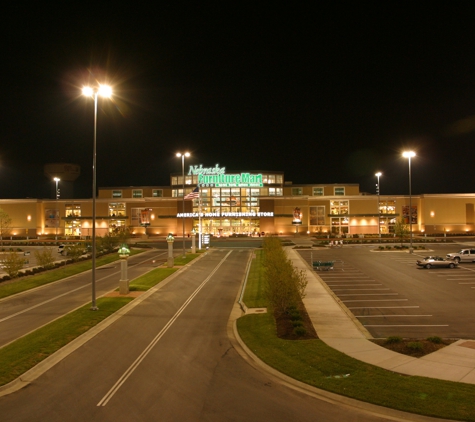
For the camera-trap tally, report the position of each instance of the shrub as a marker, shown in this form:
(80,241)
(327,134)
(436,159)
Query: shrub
(434,339)
(414,345)
(300,331)
(393,340)
(297,323)
(12,263)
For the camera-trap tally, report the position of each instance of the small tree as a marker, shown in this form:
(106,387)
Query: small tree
(401,229)
(12,263)
(5,225)
(75,251)
(44,257)
(284,284)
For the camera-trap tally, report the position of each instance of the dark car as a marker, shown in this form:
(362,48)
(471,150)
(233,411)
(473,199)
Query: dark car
(436,262)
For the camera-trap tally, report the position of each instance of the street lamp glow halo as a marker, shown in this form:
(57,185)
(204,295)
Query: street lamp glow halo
(101,90)
(378,174)
(408,154)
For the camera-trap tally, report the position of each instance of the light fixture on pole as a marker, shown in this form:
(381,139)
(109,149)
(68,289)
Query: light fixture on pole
(186,154)
(56,216)
(378,175)
(409,155)
(103,91)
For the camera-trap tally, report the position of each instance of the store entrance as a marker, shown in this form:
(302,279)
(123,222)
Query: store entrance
(223,227)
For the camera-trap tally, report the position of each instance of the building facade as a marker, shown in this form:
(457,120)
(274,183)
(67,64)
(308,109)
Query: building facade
(242,203)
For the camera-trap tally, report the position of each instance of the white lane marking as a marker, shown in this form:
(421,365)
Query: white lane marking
(87,285)
(149,348)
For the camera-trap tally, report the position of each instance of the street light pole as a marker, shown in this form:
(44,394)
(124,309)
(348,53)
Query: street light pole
(409,155)
(186,154)
(378,175)
(104,91)
(56,223)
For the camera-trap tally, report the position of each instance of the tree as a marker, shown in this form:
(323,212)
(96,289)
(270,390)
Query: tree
(284,284)
(12,263)
(5,225)
(401,229)
(44,257)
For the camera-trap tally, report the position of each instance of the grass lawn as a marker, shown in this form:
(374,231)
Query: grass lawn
(23,354)
(315,363)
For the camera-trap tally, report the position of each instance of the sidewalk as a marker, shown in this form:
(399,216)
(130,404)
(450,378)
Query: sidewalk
(340,330)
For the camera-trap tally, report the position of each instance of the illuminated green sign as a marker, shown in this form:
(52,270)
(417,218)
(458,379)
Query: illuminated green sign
(217,177)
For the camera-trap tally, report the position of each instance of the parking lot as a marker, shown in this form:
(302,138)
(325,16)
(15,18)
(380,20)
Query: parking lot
(390,296)
(28,252)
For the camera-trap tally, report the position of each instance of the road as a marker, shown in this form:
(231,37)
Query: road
(172,358)
(27,311)
(390,296)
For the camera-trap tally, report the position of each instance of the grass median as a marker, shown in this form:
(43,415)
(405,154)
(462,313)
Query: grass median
(316,364)
(25,283)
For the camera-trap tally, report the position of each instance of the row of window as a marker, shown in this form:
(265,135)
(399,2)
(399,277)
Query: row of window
(319,191)
(138,193)
(177,193)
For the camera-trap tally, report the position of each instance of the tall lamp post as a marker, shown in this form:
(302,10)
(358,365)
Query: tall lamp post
(94,92)
(186,154)
(409,155)
(56,223)
(378,175)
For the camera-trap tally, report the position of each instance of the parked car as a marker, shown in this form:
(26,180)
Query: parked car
(463,255)
(436,262)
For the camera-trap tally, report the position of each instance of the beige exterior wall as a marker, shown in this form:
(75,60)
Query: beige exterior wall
(435,213)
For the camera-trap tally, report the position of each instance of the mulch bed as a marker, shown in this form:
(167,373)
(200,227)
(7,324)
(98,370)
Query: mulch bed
(285,329)
(404,346)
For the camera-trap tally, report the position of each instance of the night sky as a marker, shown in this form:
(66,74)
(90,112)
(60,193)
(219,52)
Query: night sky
(327,94)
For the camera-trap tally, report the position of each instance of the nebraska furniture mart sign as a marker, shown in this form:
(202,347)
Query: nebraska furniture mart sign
(216,177)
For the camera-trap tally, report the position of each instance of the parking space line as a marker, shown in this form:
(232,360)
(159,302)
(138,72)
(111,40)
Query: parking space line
(353,285)
(390,316)
(346,290)
(375,300)
(409,325)
(371,294)
(383,307)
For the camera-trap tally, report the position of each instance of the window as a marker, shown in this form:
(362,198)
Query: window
(339,191)
(297,191)
(275,192)
(117,209)
(317,215)
(73,210)
(278,179)
(318,191)
(137,193)
(157,193)
(116,194)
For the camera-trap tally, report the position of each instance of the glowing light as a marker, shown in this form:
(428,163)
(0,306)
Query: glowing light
(87,91)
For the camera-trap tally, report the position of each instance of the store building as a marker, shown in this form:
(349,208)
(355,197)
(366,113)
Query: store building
(239,203)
